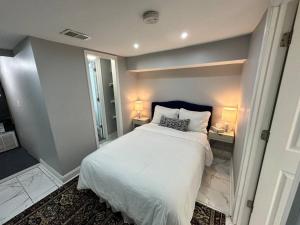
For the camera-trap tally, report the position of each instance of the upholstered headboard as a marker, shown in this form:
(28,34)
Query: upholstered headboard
(185,105)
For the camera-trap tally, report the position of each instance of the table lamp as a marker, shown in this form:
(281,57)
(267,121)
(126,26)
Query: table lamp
(229,118)
(138,106)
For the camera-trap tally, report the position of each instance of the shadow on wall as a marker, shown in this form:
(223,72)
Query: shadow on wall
(130,106)
(218,86)
(207,71)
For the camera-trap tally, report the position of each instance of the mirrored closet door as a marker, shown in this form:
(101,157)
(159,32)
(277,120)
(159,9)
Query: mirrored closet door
(102,82)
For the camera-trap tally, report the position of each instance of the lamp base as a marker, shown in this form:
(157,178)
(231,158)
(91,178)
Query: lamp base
(226,127)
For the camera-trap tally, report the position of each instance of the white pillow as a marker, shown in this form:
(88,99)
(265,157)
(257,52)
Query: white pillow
(198,120)
(164,111)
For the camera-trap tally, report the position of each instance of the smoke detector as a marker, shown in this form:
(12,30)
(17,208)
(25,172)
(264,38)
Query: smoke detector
(151,17)
(75,34)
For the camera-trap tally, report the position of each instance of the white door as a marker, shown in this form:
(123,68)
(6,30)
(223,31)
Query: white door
(282,157)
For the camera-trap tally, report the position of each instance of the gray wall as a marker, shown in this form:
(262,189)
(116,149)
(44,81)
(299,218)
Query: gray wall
(21,83)
(63,78)
(249,76)
(108,92)
(128,86)
(224,50)
(216,85)
(47,91)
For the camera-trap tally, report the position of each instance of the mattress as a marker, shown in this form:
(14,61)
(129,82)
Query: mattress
(152,174)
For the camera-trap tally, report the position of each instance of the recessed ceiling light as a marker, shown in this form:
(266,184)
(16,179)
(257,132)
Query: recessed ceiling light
(136,45)
(184,35)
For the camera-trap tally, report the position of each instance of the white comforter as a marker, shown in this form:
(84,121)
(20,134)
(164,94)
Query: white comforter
(152,174)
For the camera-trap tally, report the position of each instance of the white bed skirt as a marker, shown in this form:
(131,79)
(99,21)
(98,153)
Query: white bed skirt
(126,219)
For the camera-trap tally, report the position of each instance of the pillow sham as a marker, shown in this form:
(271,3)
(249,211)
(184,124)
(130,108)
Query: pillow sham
(160,111)
(198,120)
(176,124)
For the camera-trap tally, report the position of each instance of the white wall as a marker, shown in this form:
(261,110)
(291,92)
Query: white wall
(217,86)
(63,78)
(249,77)
(21,83)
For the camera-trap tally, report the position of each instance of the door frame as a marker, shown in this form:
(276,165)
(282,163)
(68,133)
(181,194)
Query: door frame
(116,87)
(262,112)
(287,180)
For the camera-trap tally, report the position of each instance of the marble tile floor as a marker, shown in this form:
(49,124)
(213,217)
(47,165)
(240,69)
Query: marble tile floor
(215,188)
(25,189)
(22,191)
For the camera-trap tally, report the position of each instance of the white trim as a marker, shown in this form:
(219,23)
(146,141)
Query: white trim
(91,98)
(72,174)
(57,178)
(231,189)
(262,104)
(289,173)
(117,92)
(229,62)
(252,126)
(52,173)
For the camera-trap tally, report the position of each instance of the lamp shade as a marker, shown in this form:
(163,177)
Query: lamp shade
(229,114)
(138,105)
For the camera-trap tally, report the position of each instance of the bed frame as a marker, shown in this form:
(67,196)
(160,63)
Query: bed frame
(185,105)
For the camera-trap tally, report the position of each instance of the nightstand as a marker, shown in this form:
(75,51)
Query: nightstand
(221,143)
(139,121)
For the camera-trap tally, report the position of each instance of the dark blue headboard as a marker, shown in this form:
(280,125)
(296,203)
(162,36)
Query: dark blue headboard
(185,105)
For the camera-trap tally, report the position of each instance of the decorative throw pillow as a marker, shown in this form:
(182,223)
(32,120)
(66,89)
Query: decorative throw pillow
(198,120)
(176,124)
(160,111)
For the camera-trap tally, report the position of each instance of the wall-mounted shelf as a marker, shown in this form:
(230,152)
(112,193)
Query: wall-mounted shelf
(223,52)
(230,62)
(111,84)
(112,101)
(114,117)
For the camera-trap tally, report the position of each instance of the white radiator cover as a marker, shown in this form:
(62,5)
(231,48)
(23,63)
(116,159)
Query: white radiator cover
(8,140)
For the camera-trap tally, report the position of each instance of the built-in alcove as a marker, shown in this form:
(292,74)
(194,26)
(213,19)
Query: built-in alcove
(215,85)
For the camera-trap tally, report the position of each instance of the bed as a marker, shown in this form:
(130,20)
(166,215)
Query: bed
(151,175)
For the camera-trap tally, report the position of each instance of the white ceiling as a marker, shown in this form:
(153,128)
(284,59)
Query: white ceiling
(115,25)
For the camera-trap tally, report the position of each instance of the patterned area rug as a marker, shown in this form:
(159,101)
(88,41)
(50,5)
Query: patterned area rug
(68,206)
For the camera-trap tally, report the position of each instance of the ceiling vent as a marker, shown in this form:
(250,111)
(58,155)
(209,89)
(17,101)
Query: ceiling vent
(151,17)
(75,34)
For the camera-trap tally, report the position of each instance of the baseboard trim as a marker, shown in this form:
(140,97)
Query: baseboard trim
(56,176)
(70,175)
(231,188)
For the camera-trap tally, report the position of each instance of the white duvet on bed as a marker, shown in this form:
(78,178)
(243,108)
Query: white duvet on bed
(151,174)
